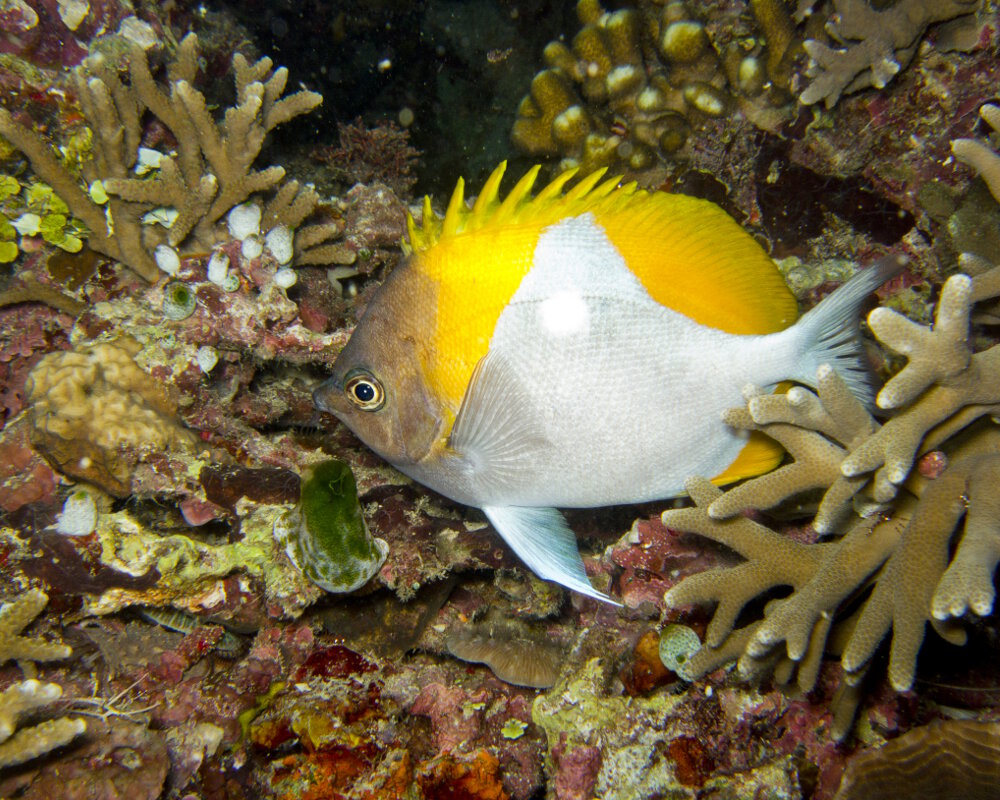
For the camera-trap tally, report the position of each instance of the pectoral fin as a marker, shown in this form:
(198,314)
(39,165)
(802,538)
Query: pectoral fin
(497,429)
(542,540)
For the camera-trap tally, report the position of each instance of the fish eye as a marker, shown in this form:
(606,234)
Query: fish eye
(364,390)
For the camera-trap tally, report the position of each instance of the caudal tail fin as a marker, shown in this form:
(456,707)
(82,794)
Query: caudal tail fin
(831,334)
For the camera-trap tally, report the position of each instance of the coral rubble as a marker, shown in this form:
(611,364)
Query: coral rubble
(177,200)
(900,546)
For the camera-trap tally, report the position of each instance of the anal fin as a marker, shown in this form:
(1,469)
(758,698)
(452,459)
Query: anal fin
(546,544)
(759,455)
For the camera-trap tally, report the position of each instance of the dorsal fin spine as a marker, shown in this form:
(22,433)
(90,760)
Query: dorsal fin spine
(591,193)
(555,186)
(490,193)
(456,210)
(584,186)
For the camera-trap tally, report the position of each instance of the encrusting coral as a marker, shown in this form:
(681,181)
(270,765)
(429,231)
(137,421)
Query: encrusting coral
(26,697)
(878,44)
(895,524)
(190,190)
(513,652)
(93,413)
(948,758)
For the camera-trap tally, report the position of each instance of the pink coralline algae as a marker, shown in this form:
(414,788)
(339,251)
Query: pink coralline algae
(56,34)
(455,715)
(577,771)
(27,332)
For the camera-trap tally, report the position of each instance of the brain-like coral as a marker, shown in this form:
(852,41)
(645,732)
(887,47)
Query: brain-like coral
(94,413)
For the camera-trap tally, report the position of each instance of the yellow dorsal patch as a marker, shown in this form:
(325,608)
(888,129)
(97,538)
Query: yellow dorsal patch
(689,255)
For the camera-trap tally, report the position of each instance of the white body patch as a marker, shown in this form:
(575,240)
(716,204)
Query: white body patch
(564,313)
(628,394)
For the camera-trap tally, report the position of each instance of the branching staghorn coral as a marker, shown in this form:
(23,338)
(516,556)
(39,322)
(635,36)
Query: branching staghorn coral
(210,173)
(878,44)
(894,528)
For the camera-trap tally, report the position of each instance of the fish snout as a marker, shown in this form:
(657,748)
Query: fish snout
(326,395)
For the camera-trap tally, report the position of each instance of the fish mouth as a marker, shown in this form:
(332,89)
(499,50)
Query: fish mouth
(326,395)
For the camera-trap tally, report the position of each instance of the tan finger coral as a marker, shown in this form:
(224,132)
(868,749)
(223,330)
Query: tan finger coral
(14,618)
(981,157)
(20,701)
(917,550)
(25,698)
(211,172)
(94,414)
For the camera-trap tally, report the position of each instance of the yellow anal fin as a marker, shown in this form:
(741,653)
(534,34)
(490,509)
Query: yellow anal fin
(759,455)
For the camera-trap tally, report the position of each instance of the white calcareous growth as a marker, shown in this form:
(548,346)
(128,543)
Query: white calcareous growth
(251,248)
(207,357)
(138,32)
(148,161)
(218,267)
(79,514)
(285,278)
(167,259)
(72,12)
(244,221)
(279,242)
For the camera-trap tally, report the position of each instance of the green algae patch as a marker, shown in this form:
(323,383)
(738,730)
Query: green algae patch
(326,536)
(264,702)
(190,571)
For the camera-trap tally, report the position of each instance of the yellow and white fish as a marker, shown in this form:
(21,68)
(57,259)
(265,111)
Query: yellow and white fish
(576,349)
